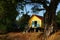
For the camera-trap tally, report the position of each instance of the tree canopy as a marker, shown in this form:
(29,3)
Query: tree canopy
(8,12)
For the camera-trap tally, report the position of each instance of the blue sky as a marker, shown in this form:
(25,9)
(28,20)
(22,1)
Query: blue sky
(58,7)
(40,13)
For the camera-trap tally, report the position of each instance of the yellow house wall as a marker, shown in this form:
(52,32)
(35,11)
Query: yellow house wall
(34,18)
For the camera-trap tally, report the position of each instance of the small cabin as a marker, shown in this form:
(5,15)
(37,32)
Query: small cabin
(36,21)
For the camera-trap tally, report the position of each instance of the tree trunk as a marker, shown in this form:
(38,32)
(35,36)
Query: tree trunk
(49,18)
(50,22)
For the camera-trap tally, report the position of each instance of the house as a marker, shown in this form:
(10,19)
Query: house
(36,21)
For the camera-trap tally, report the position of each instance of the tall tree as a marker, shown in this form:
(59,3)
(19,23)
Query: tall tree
(8,12)
(23,21)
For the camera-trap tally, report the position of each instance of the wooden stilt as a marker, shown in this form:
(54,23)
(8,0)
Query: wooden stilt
(34,30)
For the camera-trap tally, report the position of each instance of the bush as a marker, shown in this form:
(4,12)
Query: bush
(3,28)
(13,28)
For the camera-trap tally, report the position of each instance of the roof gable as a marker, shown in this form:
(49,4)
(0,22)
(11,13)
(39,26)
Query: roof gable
(40,17)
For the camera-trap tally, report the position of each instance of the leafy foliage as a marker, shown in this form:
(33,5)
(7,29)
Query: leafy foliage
(8,12)
(23,21)
(58,18)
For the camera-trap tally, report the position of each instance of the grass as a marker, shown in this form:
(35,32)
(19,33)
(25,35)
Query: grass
(28,36)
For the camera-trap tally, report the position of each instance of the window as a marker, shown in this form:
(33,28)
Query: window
(35,24)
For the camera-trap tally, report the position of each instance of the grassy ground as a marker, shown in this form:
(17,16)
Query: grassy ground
(55,36)
(28,36)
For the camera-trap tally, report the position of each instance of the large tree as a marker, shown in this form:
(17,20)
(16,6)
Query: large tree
(8,12)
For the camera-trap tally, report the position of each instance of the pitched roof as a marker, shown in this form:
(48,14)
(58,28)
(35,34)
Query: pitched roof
(40,17)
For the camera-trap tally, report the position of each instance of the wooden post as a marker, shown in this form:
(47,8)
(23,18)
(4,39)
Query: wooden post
(34,29)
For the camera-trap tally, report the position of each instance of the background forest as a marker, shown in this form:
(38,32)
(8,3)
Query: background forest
(9,13)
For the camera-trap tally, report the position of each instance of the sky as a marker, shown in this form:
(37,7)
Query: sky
(58,7)
(40,13)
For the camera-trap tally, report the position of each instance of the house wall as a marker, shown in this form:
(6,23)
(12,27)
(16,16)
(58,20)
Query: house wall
(35,18)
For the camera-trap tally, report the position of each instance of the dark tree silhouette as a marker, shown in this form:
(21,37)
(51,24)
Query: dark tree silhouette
(23,21)
(8,12)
